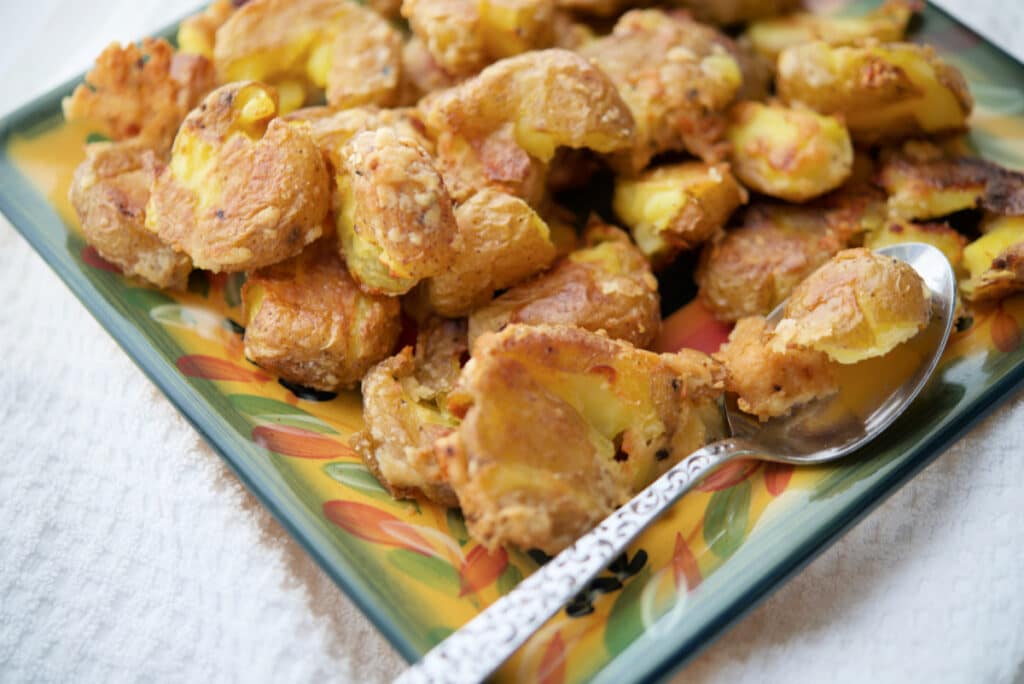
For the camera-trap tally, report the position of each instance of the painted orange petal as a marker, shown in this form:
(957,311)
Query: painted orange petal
(372,524)
(1005,332)
(685,569)
(730,474)
(777,476)
(93,258)
(299,442)
(694,327)
(212,368)
(552,664)
(481,568)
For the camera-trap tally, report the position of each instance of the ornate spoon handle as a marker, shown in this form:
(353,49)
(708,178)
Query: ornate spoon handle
(489,639)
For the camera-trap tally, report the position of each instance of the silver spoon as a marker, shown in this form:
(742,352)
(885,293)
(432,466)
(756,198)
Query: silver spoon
(822,431)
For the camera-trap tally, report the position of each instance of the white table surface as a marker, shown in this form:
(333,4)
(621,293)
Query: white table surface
(129,552)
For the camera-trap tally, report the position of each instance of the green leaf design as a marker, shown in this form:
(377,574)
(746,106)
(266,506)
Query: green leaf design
(265,410)
(233,289)
(626,621)
(509,578)
(436,635)
(457,526)
(431,570)
(172,314)
(356,476)
(725,520)
(146,299)
(96,137)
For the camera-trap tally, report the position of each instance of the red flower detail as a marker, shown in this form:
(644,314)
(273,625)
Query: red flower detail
(481,568)
(1005,331)
(374,525)
(777,477)
(552,664)
(730,474)
(685,569)
(300,443)
(694,327)
(212,368)
(93,258)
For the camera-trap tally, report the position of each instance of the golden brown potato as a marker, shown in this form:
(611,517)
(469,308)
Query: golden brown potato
(751,269)
(405,414)
(493,160)
(857,306)
(308,322)
(501,241)
(395,222)
(938,235)
(109,193)
(304,47)
(995,261)
(198,34)
(770,383)
(677,77)
(243,189)
(887,24)
(141,92)
(791,153)
(674,208)
(597,8)
(923,182)
(883,92)
(421,74)
(730,12)
(560,426)
(606,286)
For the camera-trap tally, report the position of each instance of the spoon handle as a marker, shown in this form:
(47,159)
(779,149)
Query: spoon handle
(489,639)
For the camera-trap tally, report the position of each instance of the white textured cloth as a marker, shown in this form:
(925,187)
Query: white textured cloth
(129,552)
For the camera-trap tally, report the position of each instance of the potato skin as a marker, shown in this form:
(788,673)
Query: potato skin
(995,261)
(606,286)
(197,34)
(731,12)
(751,269)
(938,235)
(857,306)
(673,208)
(141,92)
(109,192)
(561,425)
(501,241)
(308,322)
(395,220)
(243,188)
(883,92)
(791,153)
(771,382)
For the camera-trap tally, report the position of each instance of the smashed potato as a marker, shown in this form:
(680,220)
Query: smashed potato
(421,74)
(198,34)
(924,183)
(938,235)
(304,47)
(607,286)
(857,306)
(560,426)
(109,192)
(395,222)
(887,24)
(405,414)
(771,382)
(678,79)
(501,241)
(883,92)
(307,321)
(788,152)
(995,261)
(141,92)
(730,12)
(673,208)
(751,269)
(243,188)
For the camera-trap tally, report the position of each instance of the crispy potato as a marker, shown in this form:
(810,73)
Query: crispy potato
(421,74)
(995,261)
(883,92)
(938,235)
(569,33)
(560,426)
(606,286)
(887,24)
(389,9)
(395,223)
(924,183)
(198,34)
(597,8)
(109,192)
(730,12)
(405,414)
(308,322)
(141,92)
(770,383)
(492,160)
(788,152)
(751,269)
(501,242)
(677,77)
(857,306)
(307,46)
(243,189)
(674,208)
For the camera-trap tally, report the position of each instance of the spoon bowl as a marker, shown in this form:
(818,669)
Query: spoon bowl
(868,401)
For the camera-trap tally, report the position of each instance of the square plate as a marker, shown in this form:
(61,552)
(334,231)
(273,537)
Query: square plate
(411,567)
